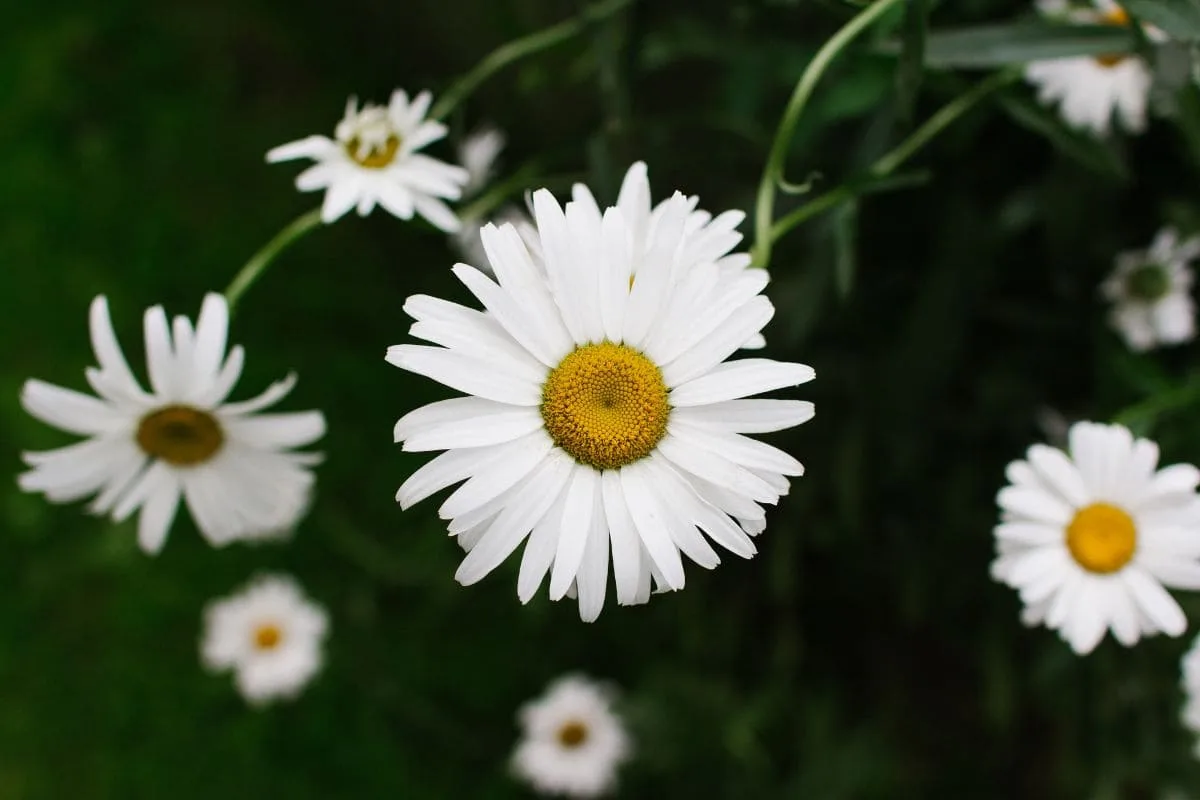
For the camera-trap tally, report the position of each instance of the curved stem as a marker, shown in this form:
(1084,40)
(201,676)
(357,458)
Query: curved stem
(262,259)
(1149,409)
(517,49)
(894,158)
(765,206)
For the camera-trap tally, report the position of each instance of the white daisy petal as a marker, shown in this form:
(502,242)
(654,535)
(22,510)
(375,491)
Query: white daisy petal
(71,411)
(157,514)
(576,521)
(736,379)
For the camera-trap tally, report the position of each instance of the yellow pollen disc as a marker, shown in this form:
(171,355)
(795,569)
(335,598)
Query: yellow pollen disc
(606,405)
(267,637)
(572,734)
(376,157)
(180,435)
(1101,538)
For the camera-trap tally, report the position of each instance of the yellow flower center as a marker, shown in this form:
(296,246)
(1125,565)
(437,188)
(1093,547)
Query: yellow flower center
(180,435)
(572,734)
(267,636)
(1116,17)
(1101,538)
(606,405)
(374,155)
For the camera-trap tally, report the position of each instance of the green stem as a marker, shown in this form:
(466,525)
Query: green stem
(1152,407)
(262,259)
(480,207)
(764,209)
(894,158)
(517,49)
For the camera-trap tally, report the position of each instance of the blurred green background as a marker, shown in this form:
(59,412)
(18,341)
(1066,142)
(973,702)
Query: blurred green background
(864,653)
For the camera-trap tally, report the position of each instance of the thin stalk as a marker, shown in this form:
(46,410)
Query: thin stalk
(1151,408)
(517,49)
(263,258)
(764,209)
(896,157)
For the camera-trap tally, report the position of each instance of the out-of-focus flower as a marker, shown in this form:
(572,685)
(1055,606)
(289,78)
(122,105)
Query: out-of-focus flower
(572,742)
(601,411)
(1090,90)
(147,450)
(1089,539)
(1151,292)
(374,158)
(478,154)
(269,634)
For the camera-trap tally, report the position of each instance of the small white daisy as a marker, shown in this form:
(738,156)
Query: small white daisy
(478,154)
(181,440)
(374,158)
(1089,90)
(269,634)
(602,411)
(1151,293)
(572,741)
(1089,539)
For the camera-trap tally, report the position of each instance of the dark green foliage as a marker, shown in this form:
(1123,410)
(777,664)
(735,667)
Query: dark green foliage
(864,653)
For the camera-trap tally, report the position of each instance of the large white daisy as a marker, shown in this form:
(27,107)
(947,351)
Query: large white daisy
(602,413)
(181,440)
(1151,292)
(269,634)
(1091,537)
(572,742)
(374,158)
(1090,90)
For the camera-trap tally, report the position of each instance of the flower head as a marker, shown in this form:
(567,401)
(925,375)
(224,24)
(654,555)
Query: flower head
(182,439)
(1090,537)
(572,742)
(375,158)
(1089,90)
(602,413)
(269,634)
(1151,292)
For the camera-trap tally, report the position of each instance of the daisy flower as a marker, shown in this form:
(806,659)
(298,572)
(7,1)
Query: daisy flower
(269,634)
(1151,293)
(1089,90)
(180,440)
(572,742)
(602,412)
(1090,538)
(374,158)
(478,154)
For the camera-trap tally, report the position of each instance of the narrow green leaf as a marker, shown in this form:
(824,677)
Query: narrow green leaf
(911,67)
(1087,150)
(1179,19)
(997,45)
(845,235)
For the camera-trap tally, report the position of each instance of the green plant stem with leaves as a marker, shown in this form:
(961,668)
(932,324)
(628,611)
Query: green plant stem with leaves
(258,262)
(772,178)
(517,49)
(879,172)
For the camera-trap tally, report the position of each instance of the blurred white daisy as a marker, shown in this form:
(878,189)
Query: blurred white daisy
(602,412)
(181,440)
(572,741)
(1090,538)
(1089,90)
(478,154)
(1151,292)
(269,634)
(374,158)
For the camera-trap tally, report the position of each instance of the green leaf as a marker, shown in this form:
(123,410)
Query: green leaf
(1087,150)
(845,230)
(911,68)
(1179,19)
(997,45)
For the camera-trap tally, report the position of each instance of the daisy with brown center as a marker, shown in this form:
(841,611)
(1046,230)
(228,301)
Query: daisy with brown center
(269,634)
(1151,292)
(375,159)
(1090,538)
(1090,90)
(572,742)
(182,440)
(603,417)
